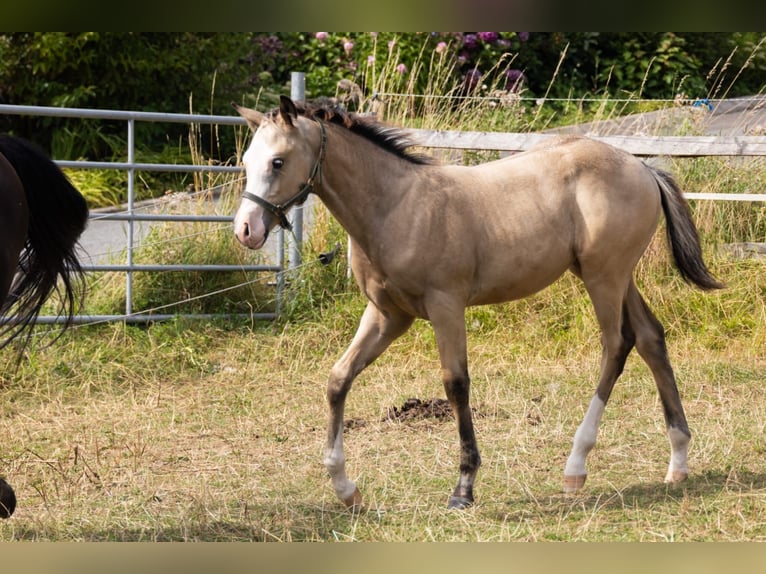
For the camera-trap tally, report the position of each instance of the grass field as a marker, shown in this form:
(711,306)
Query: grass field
(215,431)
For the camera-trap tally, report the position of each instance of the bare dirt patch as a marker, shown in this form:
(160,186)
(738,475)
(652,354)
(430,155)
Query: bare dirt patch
(418,409)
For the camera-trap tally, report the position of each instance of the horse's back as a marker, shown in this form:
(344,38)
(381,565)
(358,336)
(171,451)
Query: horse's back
(575,176)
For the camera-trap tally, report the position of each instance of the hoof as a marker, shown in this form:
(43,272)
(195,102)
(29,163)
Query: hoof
(354,502)
(7,499)
(675,476)
(459,503)
(574,482)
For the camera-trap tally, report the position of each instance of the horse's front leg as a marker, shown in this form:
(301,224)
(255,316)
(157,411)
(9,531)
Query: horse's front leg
(448,321)
(376,331)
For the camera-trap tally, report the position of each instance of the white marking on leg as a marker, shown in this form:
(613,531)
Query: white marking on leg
(335,462)
(679,448)
(585,438)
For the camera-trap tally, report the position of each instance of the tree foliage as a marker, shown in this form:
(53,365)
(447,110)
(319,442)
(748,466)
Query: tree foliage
(167,72)
(204,72)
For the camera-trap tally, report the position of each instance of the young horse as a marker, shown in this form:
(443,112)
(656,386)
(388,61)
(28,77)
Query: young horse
(429,240)
(41,217)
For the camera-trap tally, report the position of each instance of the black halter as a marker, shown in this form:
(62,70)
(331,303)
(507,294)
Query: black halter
(280,211)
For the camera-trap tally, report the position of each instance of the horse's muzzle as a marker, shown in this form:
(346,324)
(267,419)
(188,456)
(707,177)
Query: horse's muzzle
(251,236)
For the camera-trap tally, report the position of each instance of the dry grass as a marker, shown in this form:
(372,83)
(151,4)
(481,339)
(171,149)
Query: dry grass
(215,432)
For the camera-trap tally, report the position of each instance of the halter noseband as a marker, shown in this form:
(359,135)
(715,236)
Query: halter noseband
(280,211)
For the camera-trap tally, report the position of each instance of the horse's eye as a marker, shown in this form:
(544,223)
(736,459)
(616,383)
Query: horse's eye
(277,163)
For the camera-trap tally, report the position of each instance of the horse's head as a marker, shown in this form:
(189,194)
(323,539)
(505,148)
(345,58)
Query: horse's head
(281,165)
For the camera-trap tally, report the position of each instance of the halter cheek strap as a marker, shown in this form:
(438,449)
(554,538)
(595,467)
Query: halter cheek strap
(280,210)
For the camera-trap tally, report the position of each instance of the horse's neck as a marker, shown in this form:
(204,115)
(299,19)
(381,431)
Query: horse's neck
(361,184)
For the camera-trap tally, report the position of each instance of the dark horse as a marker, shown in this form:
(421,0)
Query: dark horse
(429,240)
(42,216)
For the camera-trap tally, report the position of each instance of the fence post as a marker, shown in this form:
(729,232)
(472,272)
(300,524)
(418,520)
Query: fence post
(297,93)
(131,200)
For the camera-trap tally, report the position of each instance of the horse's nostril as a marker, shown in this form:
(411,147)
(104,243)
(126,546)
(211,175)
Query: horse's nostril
(246,230)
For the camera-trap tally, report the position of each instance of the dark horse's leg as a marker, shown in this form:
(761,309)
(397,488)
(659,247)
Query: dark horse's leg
(377,329)
(7,499)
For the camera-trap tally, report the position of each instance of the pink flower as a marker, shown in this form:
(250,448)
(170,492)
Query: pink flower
(370,59)
(348,45)
(401,68)
(441,47)
(391,45)
(321,36)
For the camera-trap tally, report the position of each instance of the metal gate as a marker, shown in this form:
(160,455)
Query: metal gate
(131,216)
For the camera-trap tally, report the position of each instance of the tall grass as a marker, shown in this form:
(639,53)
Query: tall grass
(445,103)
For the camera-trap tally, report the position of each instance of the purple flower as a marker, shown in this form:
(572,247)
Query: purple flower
(470,41)
(472,79)
(401,68)
(513,79)
(348,45)
(370,60)
(321,36)
(523,36)
(270,45)
(488,37)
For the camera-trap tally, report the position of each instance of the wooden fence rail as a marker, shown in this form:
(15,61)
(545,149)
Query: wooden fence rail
(644,146)
(678,146)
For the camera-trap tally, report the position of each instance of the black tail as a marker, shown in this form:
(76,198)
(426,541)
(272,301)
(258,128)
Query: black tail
(682,234)
(58,215)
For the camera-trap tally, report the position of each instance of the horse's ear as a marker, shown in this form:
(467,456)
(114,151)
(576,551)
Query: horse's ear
(287,111)
(253,117)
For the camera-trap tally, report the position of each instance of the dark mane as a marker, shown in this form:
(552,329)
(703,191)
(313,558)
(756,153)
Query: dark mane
(392,139)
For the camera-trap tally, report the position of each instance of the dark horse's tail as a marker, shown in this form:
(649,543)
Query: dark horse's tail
(58,215)
(682,234)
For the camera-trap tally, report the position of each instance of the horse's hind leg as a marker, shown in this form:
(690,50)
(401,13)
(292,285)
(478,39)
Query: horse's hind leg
(650,344)
(375,333)
(617,340)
